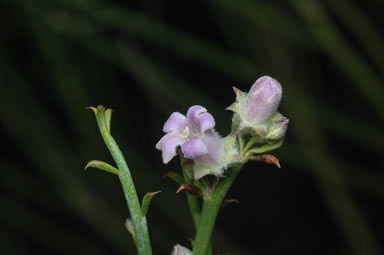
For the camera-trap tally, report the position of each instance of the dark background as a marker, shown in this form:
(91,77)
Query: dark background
(146,59)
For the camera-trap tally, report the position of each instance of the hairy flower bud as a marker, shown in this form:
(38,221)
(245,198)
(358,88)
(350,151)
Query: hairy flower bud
(262,100)
(180,250)
(254,111)
(277,127)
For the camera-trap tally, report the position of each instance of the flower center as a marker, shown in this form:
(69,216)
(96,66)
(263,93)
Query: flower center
(188,136)
(186,133)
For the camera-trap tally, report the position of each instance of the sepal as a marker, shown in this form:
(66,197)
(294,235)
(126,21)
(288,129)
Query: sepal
(229,156)
(175,177)
(240,96)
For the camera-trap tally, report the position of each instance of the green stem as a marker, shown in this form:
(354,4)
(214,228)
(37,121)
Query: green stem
(263,149)
(194,207)
(241,142)
(193,203)
(211,207)
(250,143)
(139,221)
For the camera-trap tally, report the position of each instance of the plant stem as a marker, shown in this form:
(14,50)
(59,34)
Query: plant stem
(263,149)
(241,142)
(193,201)
(211,207)
(139,221)
(194,207)
(250,143)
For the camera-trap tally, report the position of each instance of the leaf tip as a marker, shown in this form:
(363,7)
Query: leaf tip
(152,194)
(88,164)
(92,108)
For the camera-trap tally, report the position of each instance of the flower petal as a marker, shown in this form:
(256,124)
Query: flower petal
(194,148)
(194,112)
(214,144)
(262,100)
(176,122)
(168,145)
(206,121)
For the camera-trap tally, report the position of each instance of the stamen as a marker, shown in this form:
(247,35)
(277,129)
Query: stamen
(197,134)
(186,133)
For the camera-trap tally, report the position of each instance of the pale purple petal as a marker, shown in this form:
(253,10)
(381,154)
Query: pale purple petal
(194,113)
(194,148)
(176,122)
(214,144)
(206,121)
(168,145)
(263,99)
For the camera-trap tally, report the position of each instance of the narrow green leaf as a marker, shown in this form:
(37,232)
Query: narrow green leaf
(108,116)
(130,228)
(147,200)
(102,166)
(175,177)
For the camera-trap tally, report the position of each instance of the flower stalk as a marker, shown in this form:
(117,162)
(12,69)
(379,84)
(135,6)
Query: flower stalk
(211,208)
(139,221)
(194,206)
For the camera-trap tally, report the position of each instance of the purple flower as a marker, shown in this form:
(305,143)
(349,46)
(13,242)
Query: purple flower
(193,133)
(198,140)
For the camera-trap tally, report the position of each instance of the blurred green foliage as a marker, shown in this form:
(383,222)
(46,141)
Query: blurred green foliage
(146,59)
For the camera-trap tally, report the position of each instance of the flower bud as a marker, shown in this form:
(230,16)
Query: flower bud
(277,127)
(180,250)
(253,110)
(262,100)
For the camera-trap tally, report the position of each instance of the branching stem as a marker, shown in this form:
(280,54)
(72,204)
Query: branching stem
(138,219)
(211,207)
